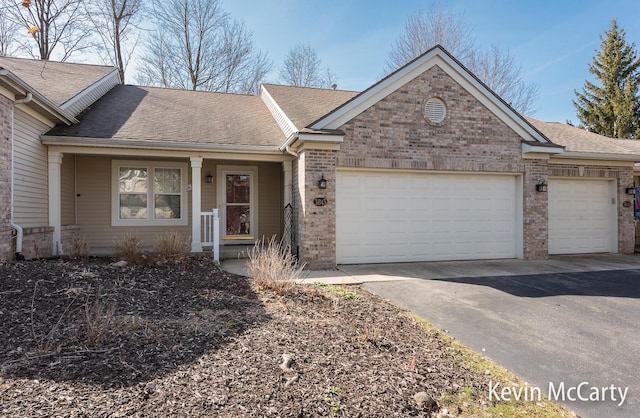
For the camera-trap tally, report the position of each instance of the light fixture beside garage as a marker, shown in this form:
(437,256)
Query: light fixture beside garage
(322,183)
(541,186)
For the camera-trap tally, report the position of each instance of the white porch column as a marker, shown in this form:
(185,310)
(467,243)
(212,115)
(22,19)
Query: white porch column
(196,204)
(55,206)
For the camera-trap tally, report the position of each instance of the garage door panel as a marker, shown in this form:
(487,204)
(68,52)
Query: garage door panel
(581,217)
(425,217)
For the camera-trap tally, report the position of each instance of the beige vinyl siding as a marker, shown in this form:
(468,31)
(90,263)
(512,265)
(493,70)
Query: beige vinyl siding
(94,209)
(271,198)
(31,171)
(93,184)
(68,190)
(209,201)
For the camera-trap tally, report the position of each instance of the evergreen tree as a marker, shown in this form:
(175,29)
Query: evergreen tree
(612,108)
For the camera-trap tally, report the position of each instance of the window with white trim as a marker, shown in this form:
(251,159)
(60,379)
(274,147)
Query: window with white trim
(149,193)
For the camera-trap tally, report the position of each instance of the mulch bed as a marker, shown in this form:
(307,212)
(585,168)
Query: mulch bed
(86,338)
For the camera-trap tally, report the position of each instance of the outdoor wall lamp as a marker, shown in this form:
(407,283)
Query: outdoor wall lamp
(322,183)
(541,186)
(630,190)
(209,178)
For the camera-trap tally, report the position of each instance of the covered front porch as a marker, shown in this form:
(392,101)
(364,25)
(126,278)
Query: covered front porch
(223,202)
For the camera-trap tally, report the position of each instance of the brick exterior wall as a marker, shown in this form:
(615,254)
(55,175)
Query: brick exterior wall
(37,242)
(394,134)
(316,224)
(535,208)
(70,237)
(6,238)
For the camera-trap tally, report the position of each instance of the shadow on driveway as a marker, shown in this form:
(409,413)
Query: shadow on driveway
(616,283)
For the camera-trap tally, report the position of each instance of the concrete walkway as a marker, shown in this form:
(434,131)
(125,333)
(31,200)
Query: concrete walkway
(367,273)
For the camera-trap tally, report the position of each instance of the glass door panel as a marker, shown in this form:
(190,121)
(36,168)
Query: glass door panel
(238,205)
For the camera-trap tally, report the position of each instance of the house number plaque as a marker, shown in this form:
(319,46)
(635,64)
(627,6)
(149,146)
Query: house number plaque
(319,201)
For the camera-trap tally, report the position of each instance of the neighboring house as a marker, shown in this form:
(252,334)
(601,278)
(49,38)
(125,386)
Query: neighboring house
(427,164)
(35,96)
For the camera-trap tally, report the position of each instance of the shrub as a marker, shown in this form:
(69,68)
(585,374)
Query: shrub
(99,319)
(273,267)
(79,247)
(173,246)
(129,249)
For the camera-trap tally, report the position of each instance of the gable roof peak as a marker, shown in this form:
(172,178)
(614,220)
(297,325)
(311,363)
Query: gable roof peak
(440,57)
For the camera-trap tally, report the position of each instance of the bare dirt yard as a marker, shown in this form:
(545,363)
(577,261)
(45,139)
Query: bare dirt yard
(87,338)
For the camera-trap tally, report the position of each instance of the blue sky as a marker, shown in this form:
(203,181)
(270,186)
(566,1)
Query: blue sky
(554,41)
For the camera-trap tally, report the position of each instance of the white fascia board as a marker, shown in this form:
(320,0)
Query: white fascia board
(528,148)
(311,137)
(599,156)
(298,138)
(369,97)
(39,99)
(154,145)
(412,70)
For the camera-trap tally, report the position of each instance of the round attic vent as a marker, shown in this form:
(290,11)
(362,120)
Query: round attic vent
(435,110)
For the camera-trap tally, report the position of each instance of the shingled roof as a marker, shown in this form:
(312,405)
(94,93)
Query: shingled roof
(57,81)
(581,141)
(304,105)
(150,115)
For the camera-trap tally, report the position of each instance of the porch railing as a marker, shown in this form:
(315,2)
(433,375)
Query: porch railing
(210,232)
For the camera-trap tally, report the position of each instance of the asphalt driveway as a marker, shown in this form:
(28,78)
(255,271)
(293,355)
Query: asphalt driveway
(573,333)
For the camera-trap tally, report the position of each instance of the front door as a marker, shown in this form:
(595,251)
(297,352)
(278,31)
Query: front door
(237,196)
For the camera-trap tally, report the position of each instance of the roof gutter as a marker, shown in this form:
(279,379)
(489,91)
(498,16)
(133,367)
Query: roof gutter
(544,148)
(286,147)
(332,137)
(155,145)
(18,228)
(289,151)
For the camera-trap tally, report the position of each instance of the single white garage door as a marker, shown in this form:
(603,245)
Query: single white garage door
(581,216)
(398,217)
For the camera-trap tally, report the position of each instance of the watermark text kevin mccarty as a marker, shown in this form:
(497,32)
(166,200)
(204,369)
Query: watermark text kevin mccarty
(584,392)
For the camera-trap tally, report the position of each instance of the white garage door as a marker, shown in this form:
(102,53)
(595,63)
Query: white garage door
(397,217)
(581,216)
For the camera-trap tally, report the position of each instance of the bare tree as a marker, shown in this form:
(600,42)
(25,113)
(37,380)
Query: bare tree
(8,31)
(499,70)
(197,46)
(58,26)
(115,23)
(427,28)
(303,68)
(495,67)
(243,67)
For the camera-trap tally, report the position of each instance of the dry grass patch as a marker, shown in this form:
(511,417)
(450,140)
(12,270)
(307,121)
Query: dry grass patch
(129,249)
(273,267)
(173,247)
